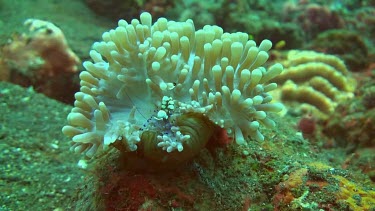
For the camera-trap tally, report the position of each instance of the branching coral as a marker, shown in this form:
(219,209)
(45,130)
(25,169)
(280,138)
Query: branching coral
(315,79)
(161,88)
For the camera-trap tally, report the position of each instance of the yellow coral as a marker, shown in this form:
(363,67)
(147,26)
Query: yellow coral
(305,94)
(315,79)
(319,166)
(356,197)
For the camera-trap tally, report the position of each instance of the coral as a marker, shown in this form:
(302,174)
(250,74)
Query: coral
(118,9)
(259,18)
(312,18)
(160,89)
(201,12)
(318,81)
(262,20)
(115,7)
(40,58)
(348,45)
(299,187)
(289,33)
(361,159)
(319,185)
(368,99)
(158,8)
(353,122)
(362,20)
(355,196)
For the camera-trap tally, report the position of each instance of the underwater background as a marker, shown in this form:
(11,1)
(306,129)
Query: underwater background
(320,155)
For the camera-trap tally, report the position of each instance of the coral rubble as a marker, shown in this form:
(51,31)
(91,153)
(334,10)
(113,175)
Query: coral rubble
(40,58)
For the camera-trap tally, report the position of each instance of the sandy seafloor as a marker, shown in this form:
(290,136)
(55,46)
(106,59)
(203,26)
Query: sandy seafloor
(37,170)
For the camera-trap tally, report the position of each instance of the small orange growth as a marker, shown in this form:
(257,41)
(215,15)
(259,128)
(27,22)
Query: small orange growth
(284,193)
(320,184)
